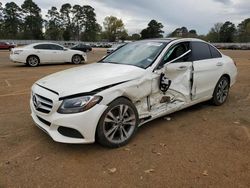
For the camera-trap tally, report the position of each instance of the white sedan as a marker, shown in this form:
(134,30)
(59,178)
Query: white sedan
(37,53)
(107,101)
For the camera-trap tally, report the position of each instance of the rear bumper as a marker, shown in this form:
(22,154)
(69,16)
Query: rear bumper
(16,59)
(233,76)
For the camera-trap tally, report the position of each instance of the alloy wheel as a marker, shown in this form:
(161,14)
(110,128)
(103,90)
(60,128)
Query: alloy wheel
(33,61)
(119,124)
(76,59)
(222,91)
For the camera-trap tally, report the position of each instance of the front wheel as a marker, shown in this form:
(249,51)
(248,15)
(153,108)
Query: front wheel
(76,59)
(118,124)
(221,91)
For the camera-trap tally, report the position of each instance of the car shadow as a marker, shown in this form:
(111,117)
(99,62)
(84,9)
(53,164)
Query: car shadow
(147,127)
(185,112)
(47,65)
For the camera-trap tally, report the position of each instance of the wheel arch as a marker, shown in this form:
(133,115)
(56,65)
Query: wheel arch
(214,100)
(123,97)
(117,98)
(31,56)
(75,54)
(224,75)
(227,76)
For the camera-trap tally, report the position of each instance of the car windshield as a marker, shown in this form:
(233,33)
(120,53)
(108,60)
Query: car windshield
(77,45)
(141,54)
(117,45)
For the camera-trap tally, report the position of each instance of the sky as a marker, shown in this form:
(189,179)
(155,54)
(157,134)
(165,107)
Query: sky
(200,15)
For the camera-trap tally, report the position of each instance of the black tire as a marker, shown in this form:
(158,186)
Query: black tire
(122,128)
(76,59)
(33,61)
(221,91)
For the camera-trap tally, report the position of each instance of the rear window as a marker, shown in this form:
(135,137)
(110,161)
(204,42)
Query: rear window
(200,51)
(214,52)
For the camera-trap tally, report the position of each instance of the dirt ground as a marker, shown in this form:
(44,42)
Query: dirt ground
(202,146)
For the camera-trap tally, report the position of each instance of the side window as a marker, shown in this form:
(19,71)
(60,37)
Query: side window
(176,51)
(42,47)
(56,47)
(200,51)
(214,52)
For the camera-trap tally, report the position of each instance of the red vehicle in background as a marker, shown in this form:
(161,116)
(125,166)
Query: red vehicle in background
(6,46)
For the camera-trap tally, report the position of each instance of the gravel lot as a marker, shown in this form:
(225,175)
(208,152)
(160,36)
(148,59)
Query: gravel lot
(202,146)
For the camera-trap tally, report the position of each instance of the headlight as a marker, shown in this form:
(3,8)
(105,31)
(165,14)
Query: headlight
(79,104)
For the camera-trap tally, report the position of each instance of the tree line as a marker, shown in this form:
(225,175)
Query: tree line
(221,32)
(76,22)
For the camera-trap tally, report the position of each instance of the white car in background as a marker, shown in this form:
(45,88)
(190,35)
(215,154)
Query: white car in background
(107,101)
(37,53)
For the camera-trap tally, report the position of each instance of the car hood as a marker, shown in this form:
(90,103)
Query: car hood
(89,77)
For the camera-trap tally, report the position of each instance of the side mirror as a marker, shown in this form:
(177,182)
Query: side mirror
(164,83)
(65,49)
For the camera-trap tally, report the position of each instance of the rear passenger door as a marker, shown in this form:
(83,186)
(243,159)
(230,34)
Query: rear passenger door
(207,69)
(44,52)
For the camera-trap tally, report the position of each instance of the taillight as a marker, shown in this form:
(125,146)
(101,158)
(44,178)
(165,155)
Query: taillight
(17,52)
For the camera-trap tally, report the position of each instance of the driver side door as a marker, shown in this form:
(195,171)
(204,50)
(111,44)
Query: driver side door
(172,81)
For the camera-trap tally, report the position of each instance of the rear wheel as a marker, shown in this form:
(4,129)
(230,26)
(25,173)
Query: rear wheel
(118,124)
(221,91)
(76,59)
(33,61)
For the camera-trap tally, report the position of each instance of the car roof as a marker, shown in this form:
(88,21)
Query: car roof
(172,39)
(38,43)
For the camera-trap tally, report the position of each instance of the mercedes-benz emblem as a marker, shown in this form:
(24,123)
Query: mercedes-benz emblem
(36,102)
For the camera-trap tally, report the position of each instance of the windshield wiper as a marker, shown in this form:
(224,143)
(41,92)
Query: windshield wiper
(108,62)
(121,64)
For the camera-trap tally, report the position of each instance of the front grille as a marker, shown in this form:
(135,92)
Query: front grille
(42,104)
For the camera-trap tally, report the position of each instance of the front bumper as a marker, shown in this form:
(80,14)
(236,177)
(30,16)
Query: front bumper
(84,57)
(84,123)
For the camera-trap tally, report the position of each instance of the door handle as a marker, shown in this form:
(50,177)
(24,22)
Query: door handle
(219,64)
(182,68)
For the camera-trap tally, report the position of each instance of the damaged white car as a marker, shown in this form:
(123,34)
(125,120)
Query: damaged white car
(107,101)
